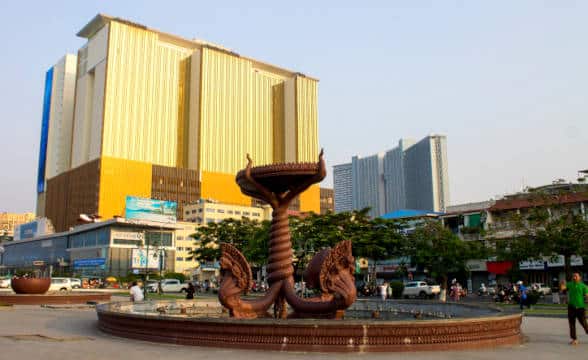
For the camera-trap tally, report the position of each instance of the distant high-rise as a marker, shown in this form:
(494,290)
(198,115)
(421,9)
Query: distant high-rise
(342,181)
(413,175)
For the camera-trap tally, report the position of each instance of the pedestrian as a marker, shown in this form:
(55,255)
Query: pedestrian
(383,290)
(523,298)
(190,291)
(577,296)
(136,292)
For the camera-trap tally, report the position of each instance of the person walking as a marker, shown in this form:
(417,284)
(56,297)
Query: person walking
(136,292)
(577,295)
(523,298)
(190,291)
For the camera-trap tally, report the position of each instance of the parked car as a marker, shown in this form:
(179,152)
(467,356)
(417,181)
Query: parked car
(60,284)
(541,288)
(75,283)
(420,289)
(4,283)
(167,285)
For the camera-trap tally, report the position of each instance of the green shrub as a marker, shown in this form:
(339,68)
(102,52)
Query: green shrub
(533,297)
(397,288)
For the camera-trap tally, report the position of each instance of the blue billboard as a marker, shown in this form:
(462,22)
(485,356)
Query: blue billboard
(94,262)
(44,131)
(28,230)
(150,209)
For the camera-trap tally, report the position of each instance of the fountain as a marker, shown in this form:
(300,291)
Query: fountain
(318,323)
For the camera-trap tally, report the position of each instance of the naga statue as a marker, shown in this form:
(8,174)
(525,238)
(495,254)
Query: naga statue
(330,270)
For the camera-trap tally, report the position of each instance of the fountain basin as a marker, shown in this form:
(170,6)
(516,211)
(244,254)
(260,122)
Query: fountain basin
(211,327)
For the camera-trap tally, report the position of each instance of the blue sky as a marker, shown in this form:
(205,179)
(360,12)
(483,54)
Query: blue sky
(505,81)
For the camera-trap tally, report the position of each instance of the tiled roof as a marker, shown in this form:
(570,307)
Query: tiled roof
(535,201)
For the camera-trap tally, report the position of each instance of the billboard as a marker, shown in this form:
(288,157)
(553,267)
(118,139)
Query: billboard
(95,262)
(150,209)
(139,258)
(28,230)
(44,131)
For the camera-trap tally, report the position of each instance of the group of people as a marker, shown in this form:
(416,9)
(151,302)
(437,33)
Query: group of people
(385,291)
(456,290)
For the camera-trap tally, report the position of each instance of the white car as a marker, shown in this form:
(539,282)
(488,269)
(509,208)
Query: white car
(75,283)
(4,283)
(60,284)
(420,289)
(168,285)
(542,289)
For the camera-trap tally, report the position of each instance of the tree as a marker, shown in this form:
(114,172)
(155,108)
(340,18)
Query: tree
(440,251)
(241,233)
(566,235)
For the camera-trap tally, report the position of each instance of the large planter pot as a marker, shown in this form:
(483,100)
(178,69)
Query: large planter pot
(30,285)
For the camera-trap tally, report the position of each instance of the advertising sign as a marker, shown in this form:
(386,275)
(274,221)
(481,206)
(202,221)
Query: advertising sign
(28,230)
(139,258)
(149,209)
(95,262)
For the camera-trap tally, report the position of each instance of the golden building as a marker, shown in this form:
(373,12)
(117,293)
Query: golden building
(160,116)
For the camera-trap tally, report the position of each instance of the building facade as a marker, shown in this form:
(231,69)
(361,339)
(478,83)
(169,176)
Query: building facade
(413,175)
(159,116)
(327,201)
(204,212)
(10,221)
(343,187)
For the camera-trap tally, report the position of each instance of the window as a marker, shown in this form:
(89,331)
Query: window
(187,212)
(180,248)
(188,249)
(158,239)
(209,220)
(180,238)
(256,214)
(209,210)
(194,211)
(200,210)
(237,212)
(246,213)
(229,211)
(179,259)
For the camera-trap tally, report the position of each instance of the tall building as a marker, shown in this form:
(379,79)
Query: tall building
(56,128)
(413,175)
(426,174)
(368,183)
(160,116)
(343,188)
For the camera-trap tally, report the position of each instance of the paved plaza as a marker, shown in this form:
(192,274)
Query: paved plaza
(28,332)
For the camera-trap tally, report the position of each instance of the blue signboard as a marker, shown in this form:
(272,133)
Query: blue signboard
(78,263)
(44,131)
(28,230)
(149,209)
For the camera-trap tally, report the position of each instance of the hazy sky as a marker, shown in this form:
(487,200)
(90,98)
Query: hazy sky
(506,81)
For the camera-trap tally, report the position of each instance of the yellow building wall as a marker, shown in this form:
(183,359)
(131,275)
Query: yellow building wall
(310,200)
(236,113)
(147,91)
(307,143)
(223,188)
(119,178)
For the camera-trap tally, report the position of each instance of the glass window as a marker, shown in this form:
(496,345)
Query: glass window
(180,248)
(220,211)
(179,259)
(209,220)
(246,213)
(229,211)
(180,238)
(159,239)
(103,237)
(256,214)
(209,210)
(237,212)
(200,210)
(188,249)
(194,211)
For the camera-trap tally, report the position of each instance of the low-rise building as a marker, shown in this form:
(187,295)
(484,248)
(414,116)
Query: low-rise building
(327,200)
(9,221)
(206,211)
